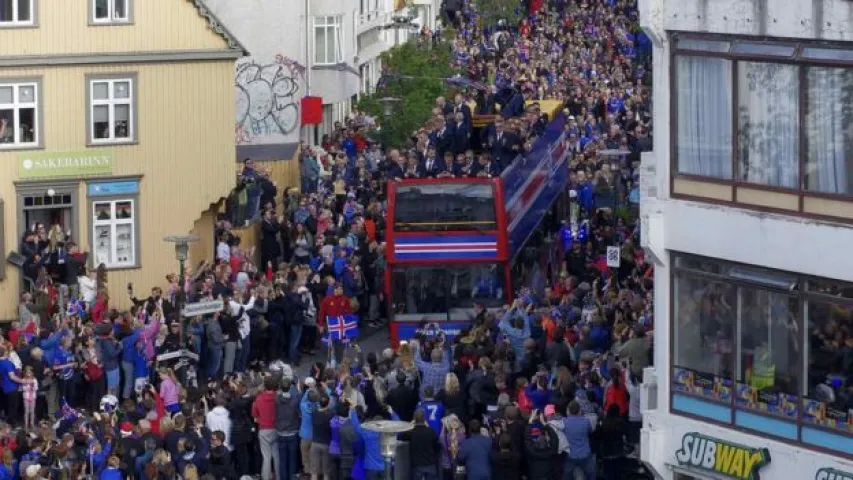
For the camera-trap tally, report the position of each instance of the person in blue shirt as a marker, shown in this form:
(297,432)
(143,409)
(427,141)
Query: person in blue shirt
(475,453)
(433,410)
(9,381)
(63,365)
(129,336)
(374,463)
(515,325)
(578,429)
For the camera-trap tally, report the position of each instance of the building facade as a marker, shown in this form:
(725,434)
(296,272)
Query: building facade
(116,126)
(747,212)
(322,48)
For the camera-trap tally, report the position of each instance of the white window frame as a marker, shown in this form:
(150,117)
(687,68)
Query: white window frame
(16,107)
(16,22)
(333,24)
(111,102)
(113,223)
(111,12)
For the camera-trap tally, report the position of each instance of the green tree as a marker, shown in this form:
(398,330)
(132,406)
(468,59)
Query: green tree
(416,73)
(492,11)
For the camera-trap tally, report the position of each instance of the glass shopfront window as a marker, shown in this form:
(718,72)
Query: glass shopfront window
(764,350)
(704,337)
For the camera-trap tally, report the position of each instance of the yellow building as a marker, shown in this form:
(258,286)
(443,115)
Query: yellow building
(116,122)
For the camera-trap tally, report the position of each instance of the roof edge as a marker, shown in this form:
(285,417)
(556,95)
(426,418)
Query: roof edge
(218,27)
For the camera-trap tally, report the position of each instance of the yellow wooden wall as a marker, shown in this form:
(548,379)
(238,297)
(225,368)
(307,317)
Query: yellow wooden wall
(285,173)
(158,25)
(185,155)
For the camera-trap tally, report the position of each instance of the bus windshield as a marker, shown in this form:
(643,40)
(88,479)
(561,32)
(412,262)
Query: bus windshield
(444,207)
(438,289)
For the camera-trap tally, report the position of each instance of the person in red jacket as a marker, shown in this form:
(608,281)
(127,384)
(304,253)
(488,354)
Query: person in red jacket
(101,307)
(333,306)
(263,411)
(616,393)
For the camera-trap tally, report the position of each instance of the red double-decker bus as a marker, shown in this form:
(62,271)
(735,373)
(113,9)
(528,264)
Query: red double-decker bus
(451,243)
(446,250)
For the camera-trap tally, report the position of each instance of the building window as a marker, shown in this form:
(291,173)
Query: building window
(110,11)
(764,350)
(111,110)
(327,40)
(114,233)
(768,133)
(772,115)
(16,12)
(19,114)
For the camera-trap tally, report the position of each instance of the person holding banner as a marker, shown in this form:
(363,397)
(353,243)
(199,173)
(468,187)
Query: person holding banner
(335,307)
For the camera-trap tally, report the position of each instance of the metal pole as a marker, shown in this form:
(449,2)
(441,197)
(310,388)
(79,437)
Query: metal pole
(180,300)
(389,468)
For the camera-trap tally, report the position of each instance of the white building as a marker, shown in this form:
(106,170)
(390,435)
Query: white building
(322,48)
(747,211)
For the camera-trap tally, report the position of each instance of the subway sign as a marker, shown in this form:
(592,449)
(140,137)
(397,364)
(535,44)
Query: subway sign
(832,474)
(721,457)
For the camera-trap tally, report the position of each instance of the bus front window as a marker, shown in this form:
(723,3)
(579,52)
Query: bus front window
(436,290)
(419,290)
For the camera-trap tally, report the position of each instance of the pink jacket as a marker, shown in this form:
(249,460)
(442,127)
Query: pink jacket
(147,337)
(169,391)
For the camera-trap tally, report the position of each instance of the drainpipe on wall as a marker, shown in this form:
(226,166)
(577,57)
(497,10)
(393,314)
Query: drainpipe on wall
(309,132)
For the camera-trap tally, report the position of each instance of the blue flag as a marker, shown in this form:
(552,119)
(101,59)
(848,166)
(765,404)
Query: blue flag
(341,328)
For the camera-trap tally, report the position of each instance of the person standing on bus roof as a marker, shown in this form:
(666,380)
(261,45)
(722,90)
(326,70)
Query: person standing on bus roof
(486,168)
(431,164)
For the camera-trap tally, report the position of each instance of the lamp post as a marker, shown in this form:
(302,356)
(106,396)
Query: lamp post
(182,250)
(388,429)
(389,104)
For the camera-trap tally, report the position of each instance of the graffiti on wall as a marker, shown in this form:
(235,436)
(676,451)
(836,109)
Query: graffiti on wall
(267,100)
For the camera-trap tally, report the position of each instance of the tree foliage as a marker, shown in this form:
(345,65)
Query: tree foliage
(492,11)
(416,72)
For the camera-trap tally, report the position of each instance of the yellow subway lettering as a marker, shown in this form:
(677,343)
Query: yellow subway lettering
(724,457)
(736,468)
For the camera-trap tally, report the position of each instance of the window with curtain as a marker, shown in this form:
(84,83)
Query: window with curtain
(768,132)
(704,103)
(829,130)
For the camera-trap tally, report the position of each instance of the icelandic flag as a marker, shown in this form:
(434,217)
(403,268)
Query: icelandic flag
(341,328)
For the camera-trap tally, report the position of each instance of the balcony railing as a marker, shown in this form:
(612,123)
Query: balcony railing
(370,20)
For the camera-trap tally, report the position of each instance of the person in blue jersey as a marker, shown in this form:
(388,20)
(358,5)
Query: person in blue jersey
(432,408)
(64,365)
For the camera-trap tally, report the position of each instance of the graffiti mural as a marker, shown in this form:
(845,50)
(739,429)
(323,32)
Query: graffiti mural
(267,98)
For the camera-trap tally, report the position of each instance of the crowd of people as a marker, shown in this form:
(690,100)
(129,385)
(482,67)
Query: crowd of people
(546,386)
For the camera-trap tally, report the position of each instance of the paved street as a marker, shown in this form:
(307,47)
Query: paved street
(371,341)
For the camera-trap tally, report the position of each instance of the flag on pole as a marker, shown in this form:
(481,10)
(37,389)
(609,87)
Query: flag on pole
(341,328)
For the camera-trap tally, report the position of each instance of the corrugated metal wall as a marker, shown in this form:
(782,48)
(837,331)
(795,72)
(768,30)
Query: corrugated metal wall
(158,25)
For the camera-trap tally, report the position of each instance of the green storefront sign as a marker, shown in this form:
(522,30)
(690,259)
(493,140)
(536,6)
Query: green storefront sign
(84,163)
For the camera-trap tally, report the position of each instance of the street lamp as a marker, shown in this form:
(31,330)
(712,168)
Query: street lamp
(389,104)
(388,429)
(182,250)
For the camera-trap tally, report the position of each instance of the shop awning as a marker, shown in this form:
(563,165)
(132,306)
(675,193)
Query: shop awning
(271,151)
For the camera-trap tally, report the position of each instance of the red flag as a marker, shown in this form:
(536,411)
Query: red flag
(312,110)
